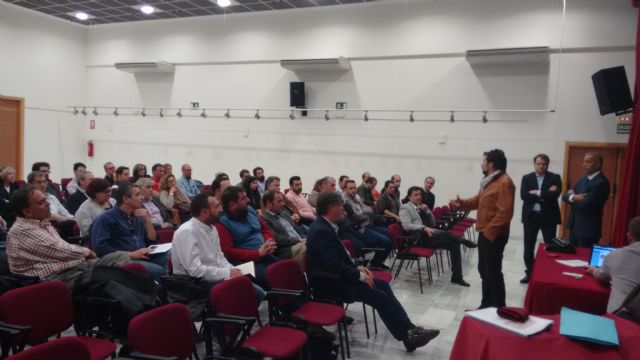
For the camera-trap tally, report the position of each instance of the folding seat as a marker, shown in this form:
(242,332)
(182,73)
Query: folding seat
(408,250)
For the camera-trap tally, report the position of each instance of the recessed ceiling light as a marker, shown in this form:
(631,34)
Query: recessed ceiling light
(81,15)
(224,3)
(147,9)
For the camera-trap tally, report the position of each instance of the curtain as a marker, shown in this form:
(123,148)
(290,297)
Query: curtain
(628,205)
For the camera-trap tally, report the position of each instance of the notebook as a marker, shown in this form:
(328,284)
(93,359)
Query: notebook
(588,327)
(598,253)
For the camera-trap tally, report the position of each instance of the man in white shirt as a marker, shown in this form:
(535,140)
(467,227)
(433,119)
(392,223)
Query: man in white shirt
(196,246)
(73,186)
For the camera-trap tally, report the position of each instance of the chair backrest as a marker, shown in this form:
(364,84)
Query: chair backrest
(285,275)
(165,236)
(234,297)
(163,331)
(396,233)
(350,248)
(437,213)
(68,347)
(136,267)
(46,307)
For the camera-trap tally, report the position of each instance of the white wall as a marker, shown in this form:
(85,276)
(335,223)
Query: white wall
(42,60)
(406,56)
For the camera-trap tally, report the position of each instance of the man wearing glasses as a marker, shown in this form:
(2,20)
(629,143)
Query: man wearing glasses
(128,227)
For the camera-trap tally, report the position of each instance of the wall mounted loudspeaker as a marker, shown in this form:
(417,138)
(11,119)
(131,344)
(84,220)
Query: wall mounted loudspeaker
(612,91)
(296,94)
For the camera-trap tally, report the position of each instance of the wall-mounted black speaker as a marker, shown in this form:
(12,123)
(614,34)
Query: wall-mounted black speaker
(296,94)
(612,91)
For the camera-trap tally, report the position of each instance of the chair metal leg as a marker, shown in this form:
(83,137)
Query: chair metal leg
(340,337)
(420,276)
(375,322)
(346,338)
(399,268)
(366,322)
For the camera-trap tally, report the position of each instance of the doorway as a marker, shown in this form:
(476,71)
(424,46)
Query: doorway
(613,161)
(12,130)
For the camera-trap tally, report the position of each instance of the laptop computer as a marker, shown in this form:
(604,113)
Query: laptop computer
(598,253)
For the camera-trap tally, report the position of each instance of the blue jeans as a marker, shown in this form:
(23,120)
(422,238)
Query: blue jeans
(377,237)
(156,265)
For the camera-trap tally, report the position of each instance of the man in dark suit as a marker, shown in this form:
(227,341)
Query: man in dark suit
(427,196)
(326,254)
(539,192)
(77,198)
(587,199)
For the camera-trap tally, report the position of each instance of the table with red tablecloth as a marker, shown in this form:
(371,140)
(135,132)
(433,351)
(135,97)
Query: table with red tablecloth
(477,340)
(549,290)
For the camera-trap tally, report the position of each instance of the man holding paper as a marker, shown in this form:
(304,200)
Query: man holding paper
(196,246)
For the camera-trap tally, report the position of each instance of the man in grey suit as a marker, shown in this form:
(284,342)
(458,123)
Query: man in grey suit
(621,268)
(416,218)
(290,238)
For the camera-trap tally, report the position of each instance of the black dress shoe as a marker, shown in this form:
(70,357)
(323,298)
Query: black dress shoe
(468,243)
(524,280)
(460,282)
(418,337)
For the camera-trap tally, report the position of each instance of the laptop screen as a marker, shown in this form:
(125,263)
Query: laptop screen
(598,253)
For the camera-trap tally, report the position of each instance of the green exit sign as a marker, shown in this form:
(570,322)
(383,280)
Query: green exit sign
(341,105)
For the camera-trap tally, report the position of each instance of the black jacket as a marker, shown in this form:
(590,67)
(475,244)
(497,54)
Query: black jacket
(550,210)
(585,220)
(283,240)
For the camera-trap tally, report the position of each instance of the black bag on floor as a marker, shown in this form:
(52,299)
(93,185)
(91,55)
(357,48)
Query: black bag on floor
(321,343)
(191,292)
(108,297)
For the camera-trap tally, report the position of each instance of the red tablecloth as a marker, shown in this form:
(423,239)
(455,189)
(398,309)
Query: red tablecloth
(477,340)
(549,290)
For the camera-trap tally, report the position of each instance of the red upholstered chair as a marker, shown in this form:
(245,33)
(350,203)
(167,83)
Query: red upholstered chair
(136,267)
(235,312)
(163,331)
(63,348)
(287,284)
(165,236)
(406,248)
(48,310)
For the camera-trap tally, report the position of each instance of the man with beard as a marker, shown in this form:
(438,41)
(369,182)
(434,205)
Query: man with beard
(243,235)
(258,173)
(306,211)
(494,203)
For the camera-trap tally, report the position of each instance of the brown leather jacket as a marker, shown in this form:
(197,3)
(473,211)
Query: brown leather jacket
(495,207)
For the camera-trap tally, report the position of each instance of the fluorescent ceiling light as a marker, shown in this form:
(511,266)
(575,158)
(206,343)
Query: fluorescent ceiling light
(224,3)
(81,15)
(147,9)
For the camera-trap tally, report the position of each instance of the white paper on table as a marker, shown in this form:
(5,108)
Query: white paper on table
(573,263)
(160,248)
(532,326)
(247,268)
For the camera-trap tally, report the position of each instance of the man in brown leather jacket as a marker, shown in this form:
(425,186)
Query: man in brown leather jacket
(494,203)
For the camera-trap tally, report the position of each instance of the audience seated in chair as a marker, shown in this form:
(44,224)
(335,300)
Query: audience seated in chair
(416,217)
(428,198)
(244,173)
(161,216)
(388,205)
(258,173)
(219,184)
(305,210)
(187,185)
(122,175)
(73,185)
(128,227)
(139,171)
(290,238)
(243,235)
(34,248)
(80,195)
(327,254)
(51,187)
(9,185)
(60,216)
(157,172)
(365,189)
(110,173)
(196,248)
(173,198)
(250,187)
(99,192)
(322,185)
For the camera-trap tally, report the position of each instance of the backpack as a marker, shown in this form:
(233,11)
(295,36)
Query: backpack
(108,297)
(192,292)
(322,344)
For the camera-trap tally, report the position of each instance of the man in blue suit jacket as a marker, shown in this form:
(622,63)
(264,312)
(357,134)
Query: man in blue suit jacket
(587,199)
(539,192)
(327,254)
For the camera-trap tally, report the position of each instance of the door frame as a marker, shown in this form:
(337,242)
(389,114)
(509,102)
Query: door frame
(565,169)
(19,165)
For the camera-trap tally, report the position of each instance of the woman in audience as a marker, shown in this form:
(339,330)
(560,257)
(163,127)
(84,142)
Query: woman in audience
(250,186)
(315,192)
(139,171)
(173,198)
(388,205)
(9,185)
(99,192)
